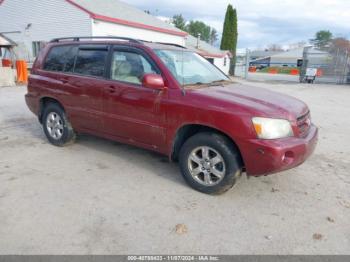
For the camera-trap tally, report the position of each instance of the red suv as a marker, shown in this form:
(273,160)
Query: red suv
(171,100)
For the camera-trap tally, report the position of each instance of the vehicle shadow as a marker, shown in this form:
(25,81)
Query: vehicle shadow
(152,162)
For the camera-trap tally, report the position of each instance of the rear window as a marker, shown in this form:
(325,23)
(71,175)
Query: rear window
(91,62)
(61,58)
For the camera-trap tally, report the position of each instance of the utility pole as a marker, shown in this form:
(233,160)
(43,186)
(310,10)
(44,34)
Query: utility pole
(247,60)
(198,39)
(304,66)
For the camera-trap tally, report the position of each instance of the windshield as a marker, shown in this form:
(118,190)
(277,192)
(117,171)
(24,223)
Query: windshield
(190,68)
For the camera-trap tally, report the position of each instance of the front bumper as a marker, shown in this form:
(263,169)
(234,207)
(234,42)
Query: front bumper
(262,157)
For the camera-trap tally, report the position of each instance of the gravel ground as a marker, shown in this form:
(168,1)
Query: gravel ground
(102,197)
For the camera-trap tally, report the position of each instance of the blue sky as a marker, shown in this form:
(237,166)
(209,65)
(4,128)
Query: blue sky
(262,22)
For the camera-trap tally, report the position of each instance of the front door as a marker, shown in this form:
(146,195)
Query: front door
(132,111)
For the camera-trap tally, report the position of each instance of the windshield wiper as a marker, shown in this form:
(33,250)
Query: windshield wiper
(218,82)
(213,83)
(196,84)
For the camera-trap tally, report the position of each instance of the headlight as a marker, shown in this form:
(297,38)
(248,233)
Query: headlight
(269,128)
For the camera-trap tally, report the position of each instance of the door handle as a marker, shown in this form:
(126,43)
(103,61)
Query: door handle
(64,80)
(110,89)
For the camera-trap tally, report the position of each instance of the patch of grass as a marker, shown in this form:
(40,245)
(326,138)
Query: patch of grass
(280,70)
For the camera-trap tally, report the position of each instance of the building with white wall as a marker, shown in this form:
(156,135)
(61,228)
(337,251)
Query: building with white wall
(7,73)
(33,23)
(219,58)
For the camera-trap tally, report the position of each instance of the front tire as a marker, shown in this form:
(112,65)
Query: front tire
(56,126)
(210,163)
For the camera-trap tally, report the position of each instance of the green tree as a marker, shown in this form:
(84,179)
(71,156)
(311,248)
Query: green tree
(198,27)
(179,22)
(230,35)
(322,39)
(194,28)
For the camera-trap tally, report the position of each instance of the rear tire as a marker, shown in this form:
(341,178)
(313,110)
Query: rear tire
(56,126)
(210,163)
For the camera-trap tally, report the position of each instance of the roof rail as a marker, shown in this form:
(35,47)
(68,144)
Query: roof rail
(164,43)
(78,38)
(177,45)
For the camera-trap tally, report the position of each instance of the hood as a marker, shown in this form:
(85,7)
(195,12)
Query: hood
(257,101)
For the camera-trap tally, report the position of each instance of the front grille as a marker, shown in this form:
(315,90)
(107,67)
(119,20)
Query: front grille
(304,123)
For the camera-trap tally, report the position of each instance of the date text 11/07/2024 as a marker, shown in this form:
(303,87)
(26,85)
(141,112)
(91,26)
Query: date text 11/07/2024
(173,258)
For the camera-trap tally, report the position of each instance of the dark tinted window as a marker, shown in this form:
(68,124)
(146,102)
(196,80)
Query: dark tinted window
(61,58)
(91,62)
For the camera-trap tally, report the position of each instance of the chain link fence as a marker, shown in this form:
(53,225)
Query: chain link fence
(332,64)
(241,64)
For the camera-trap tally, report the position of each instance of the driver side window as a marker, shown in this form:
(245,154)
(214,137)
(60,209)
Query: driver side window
(130,67)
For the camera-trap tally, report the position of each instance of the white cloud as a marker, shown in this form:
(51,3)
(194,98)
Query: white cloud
(261,22)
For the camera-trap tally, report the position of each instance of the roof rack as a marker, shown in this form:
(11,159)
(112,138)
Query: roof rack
(78,38)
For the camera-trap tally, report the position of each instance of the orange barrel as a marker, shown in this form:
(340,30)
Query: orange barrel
(22,71)
(294,71)
(272,71)
(252,69)
(6,63)
(319,72)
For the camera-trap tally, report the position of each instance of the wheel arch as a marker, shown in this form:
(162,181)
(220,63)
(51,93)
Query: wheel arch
(43,102)
(189,130)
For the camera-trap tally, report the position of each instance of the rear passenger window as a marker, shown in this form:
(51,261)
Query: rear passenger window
(91,62)
(61,58)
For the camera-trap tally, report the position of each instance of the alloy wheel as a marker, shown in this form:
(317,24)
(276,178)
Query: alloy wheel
(206,165)
(54,125)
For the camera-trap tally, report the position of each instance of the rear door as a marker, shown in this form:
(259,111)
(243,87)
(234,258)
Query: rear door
(132,111)
(86,84)
(53,78)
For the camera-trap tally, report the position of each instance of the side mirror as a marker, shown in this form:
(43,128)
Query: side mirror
(153,81)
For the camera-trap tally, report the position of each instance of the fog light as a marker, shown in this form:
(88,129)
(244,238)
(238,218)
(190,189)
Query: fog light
(288,157)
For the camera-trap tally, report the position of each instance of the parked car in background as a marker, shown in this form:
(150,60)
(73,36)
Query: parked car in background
(168,99)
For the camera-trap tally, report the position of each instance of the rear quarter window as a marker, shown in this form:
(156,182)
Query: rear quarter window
(61,58)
